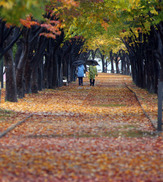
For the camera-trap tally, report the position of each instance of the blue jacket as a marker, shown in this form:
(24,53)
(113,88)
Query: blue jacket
(81,69)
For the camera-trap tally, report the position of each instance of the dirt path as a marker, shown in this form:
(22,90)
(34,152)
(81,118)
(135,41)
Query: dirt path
(82,134)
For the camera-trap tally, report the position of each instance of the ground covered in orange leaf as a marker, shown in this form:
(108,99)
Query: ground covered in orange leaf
(82,134)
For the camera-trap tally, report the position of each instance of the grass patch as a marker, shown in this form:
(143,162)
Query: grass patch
(109,105)
(128,126)
(130,133)
(115,134)
(64,136)
(5,113)
(138,133)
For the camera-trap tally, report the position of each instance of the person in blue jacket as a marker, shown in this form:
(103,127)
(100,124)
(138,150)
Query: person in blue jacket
(80,74)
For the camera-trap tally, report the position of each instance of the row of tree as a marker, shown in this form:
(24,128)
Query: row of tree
(140,28)
(38,51)
(38,62)
(146,55)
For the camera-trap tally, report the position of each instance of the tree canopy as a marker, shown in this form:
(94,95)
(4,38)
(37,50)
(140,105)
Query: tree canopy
(14,10)
(90,19)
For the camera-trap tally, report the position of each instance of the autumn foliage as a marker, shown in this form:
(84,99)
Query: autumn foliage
(82,134)
(28,22)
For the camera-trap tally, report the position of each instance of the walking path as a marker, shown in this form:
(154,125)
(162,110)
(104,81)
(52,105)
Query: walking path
(83,134)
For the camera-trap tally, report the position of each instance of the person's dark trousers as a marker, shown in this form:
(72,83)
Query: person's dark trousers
(80,81)
(92,82)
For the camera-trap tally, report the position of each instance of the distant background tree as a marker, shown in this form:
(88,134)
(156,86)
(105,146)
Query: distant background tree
(52,34)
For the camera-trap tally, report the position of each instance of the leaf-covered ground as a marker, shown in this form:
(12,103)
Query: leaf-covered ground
(82,134)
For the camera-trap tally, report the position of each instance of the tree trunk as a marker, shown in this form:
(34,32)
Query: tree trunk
(11,92)
(40,76)
(34,86)
(112,62)
(68,70)
(50,73)
(1,72)
(27,74)
(116,64)
(127,59)
(103,63)
(20,72)
(60,76)
(55,72)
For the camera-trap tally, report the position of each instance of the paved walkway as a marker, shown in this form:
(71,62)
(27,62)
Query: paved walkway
(82,134)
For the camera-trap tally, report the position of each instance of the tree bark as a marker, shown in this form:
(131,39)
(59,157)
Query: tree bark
(27,75)
(112,61)
(11,92)
(34,86)
(1,72)
(20,71)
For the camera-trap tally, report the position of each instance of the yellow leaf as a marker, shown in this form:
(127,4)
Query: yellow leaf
(7,5)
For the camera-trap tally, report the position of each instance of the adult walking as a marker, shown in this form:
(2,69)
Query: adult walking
(92,74)
(80,74)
